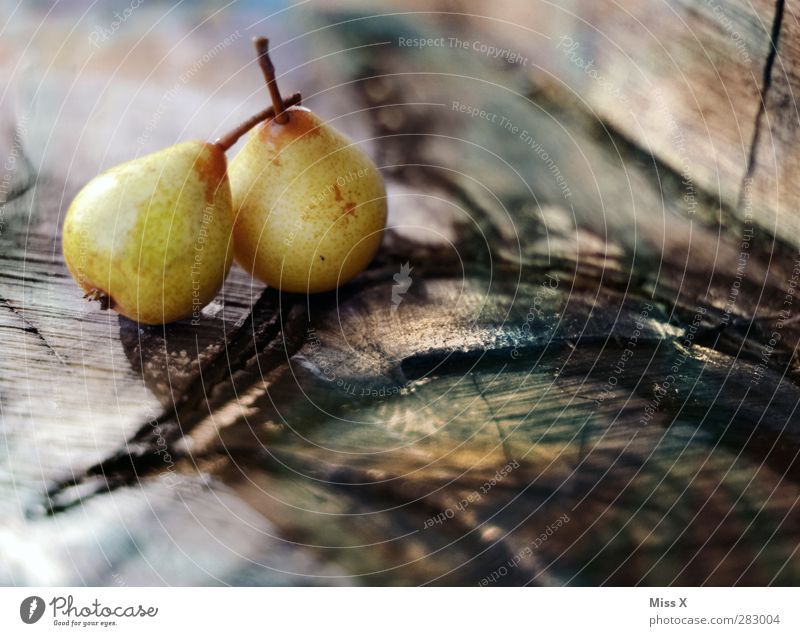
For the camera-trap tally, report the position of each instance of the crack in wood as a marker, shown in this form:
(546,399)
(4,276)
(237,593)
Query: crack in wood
(765,86)
(262,326)
(31,328)
(495,420)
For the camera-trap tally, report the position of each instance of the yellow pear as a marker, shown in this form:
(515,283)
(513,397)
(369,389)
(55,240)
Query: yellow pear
(150,237)
(309,205)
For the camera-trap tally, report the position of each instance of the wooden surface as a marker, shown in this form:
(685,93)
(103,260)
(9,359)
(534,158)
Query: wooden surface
(580,386)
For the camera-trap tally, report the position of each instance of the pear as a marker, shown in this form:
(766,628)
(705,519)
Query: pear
(309,205)
(150,237)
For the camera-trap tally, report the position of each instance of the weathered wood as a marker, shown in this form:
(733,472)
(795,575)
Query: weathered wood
(682,81)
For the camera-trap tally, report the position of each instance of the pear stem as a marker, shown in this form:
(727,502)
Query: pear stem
(226,142)
(265,62)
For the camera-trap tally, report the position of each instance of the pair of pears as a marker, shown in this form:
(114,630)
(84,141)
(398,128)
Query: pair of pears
(300,207)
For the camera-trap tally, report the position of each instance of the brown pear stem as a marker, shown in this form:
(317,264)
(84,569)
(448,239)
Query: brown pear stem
(225,142)
(265,62)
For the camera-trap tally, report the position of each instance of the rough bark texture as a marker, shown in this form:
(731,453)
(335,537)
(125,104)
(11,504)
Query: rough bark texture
(591,378)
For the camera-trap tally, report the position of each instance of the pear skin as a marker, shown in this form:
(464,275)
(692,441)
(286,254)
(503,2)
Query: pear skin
(309,205)
(152,236)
